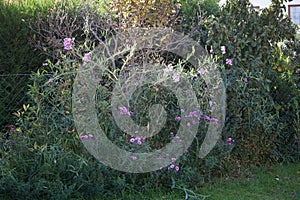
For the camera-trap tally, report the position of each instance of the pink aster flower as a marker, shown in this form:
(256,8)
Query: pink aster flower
(177,168)
(132,140)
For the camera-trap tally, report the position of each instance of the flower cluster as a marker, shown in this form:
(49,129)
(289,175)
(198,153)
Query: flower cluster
(86,136)
(68,43)
(138,140)
(197,115)
(176,78)
(125,111)
(133,157)
(228,61)
(172,165)
(230,141)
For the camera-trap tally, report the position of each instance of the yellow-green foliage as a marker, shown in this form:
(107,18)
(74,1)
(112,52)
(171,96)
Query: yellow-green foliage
(145,13)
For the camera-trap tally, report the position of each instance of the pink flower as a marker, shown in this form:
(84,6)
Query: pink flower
(176,77)
(139,142)
(177,168)
(202,71)
(223,49)
(83,137)
(188,124)
(207,118)
(86,136)
(133,157)
(215,120)
(172,133)
(173,159)
(86,57)
(172,166)
(125,111)
(229,61)
(91,136)
(211,103)
(245,80)
(216,87)
(132,140)
(178,118)
(230,141)
(68,43)
(168,70)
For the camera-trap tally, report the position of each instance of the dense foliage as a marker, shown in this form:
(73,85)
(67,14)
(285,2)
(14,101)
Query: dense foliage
(254,112)
(42,155)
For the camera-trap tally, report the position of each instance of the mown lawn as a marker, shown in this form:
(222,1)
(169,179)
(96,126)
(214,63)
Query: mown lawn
(280,182)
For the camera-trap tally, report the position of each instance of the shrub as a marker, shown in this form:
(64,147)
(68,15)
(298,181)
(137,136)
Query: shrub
(286,94)
(16,54)
(44,155)
(52,153)
(251,54)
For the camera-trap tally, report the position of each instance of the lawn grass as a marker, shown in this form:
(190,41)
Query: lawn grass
(280,182)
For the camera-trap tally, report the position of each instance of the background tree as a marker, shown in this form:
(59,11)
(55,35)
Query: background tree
(145,13)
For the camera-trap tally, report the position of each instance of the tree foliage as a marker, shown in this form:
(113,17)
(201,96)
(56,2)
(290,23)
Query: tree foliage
(250,37)
(145,13)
